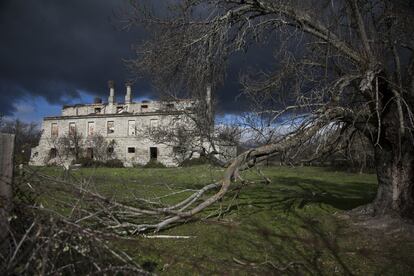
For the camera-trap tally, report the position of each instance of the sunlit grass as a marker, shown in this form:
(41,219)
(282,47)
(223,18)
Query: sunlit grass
(289,226)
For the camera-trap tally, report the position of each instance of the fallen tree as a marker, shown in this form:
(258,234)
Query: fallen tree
(145,214)
(349,64)
(352,73)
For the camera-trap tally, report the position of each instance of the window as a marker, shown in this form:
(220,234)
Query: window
(144,107)
(119,109)
(91,128)
(153,123)
(153,153)
(110,127)
(98,110)
(54,130)
(131,150)
(110,151)
(72,129)
(131,128)
(178,150)
(170,106)
(53,153)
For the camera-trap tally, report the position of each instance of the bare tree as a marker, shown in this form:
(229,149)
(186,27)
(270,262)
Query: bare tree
(345,63)
(102,148)
(27,136)
(71,145)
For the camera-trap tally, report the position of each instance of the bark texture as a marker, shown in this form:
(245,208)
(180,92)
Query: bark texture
(6,178)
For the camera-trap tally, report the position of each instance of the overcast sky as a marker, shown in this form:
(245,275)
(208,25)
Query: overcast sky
(56,52)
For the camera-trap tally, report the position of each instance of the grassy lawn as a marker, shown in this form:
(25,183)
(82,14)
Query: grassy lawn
(290,226)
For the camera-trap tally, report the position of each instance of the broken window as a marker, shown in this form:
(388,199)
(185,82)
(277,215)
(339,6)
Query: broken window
(54,130)
(110,127)
(131,150)
(153,123)
(178,150)
(144,107)
(119,109)
(72,129)
(131,128)
(153,153)
(52,153)
(91,128)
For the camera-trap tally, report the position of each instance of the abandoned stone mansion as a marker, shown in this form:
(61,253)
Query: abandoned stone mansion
(122,129)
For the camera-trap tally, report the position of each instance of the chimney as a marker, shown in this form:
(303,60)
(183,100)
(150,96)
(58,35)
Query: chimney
(128,96)
(111,98)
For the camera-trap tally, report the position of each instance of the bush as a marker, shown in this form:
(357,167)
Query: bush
(91,163)
(195,162)
(88,162)
(114,163)
(154,164)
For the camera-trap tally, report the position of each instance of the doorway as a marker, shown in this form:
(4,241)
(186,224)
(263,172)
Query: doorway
(89,153)
(153,153)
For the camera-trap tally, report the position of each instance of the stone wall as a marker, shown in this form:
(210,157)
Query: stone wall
(129,129)
(123,136)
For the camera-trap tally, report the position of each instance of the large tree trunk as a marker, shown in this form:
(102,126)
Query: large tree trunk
(395,172)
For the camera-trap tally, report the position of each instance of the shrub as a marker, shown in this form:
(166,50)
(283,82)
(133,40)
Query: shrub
(91,163)
(86,162)
(114,163)
(195,162)
(154,164)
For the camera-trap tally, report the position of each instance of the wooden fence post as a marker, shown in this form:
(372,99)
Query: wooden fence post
(6,179)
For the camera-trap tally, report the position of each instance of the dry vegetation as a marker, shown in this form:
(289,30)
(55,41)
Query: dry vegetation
(289,226)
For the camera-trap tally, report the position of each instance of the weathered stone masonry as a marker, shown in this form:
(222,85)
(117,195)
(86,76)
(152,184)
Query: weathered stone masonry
(123,123)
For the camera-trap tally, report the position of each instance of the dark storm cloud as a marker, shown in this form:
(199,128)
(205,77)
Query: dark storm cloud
(55,48)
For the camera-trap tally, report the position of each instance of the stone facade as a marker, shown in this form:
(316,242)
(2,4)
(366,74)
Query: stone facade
(124,126)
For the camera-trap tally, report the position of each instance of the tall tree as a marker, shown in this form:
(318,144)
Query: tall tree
(348,64)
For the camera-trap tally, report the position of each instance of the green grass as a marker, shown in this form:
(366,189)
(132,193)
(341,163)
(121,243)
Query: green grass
(287,227)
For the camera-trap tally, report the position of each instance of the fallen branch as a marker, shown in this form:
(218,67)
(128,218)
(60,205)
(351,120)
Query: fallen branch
(167,237)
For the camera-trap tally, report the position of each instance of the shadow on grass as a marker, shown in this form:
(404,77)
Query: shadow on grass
(301,244)
(290,192)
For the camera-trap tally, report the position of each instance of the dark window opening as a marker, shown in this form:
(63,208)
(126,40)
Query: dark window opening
(119,109)
(153,153)
(178,149)
(131,150)
(170,106)
(98,110)
(53,153)
(144,106)
(110,150)
(89,153)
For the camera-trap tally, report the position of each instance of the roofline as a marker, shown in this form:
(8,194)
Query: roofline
(151,113)
(140,102)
